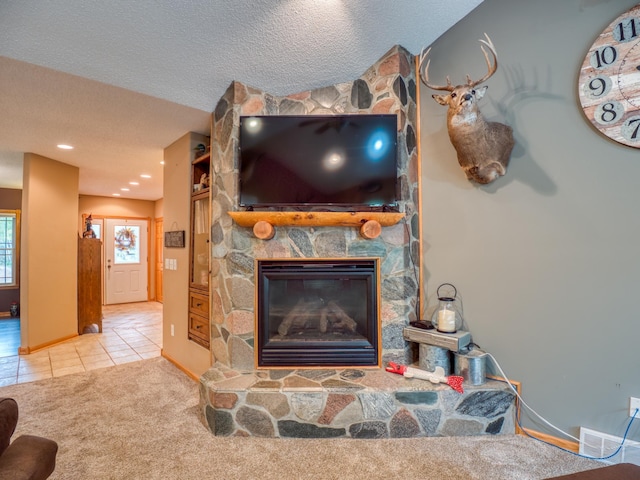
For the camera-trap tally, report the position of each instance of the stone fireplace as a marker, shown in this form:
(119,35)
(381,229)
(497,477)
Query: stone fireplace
(326,400)
(387,87)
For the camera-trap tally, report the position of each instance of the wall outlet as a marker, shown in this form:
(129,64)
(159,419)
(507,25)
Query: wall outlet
(173,331)
(633,404)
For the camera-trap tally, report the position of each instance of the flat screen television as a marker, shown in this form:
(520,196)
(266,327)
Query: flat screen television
(346,161)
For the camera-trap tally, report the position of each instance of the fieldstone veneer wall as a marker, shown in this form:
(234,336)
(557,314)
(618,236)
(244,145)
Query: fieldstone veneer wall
(389,86)
(349,403)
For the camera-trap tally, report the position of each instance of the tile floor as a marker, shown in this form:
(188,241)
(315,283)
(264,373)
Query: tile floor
(130,332)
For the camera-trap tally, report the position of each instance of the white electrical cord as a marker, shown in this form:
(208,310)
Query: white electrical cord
(506,379)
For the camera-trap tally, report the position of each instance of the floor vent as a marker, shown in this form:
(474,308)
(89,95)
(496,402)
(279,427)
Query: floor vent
(599,445)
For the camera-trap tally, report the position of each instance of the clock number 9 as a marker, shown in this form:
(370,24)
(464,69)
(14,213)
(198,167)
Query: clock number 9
(597,87)
(608,113)
(603,57)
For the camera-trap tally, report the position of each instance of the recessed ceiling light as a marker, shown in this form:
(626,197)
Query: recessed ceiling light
(134,183)
(124,189)
(144,175)
(115,194)
(162,162)
(62,146)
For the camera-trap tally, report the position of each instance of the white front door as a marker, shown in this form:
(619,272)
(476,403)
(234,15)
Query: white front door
(127,260)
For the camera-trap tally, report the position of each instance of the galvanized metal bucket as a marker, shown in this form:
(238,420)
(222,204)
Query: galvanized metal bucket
(431,357)
(471,365)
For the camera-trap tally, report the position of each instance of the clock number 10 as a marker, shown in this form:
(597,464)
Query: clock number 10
(603,57)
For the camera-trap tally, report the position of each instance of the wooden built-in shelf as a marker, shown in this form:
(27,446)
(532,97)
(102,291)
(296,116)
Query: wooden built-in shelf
(263,223)
(202,158)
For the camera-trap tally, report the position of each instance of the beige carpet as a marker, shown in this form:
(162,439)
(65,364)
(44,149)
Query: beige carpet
(140,421)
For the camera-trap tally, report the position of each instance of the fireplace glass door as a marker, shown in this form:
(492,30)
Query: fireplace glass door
(314,313)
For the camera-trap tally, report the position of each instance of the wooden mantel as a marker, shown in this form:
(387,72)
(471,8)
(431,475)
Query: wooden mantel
(263,223)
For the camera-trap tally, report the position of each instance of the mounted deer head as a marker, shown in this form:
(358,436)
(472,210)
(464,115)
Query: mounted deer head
(483,148)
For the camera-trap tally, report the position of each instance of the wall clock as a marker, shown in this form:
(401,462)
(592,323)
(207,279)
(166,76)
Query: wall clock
(609,81)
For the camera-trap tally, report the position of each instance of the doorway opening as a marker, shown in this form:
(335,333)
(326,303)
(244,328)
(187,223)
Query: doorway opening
(126,246)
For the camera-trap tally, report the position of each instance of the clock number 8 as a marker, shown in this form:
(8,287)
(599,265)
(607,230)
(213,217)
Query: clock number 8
(608,113)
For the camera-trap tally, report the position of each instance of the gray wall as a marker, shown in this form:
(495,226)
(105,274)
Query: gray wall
(547,258)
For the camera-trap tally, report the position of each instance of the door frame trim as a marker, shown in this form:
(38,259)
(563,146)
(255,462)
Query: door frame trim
(150,232)
(156,257)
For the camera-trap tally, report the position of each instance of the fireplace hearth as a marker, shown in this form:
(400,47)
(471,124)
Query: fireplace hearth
(317,313)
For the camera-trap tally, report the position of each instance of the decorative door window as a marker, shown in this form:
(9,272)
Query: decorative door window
(126,243)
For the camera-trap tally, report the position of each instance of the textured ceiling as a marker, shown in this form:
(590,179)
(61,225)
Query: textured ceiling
(122,80)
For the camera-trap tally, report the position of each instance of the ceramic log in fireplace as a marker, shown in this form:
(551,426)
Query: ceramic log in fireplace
(318,313)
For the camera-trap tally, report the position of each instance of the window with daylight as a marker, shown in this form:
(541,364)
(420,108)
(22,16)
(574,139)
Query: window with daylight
(9,247)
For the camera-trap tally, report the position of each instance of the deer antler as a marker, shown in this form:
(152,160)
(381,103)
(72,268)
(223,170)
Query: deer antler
(424,73)
(492,68)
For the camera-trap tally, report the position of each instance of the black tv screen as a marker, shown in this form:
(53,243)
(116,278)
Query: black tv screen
(305,161)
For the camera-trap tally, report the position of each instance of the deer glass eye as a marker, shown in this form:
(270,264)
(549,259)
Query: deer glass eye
(454,95)
(473,92)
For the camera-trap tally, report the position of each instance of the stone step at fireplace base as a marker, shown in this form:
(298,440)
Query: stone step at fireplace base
(356,403)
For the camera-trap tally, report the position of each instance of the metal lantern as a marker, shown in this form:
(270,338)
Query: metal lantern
(447,318)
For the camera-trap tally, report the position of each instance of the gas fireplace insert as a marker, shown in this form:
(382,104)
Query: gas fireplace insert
(317,313)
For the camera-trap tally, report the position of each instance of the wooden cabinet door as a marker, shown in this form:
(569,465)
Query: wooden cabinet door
(89,285)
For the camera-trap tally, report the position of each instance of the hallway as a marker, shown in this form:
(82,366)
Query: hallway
(130,332)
